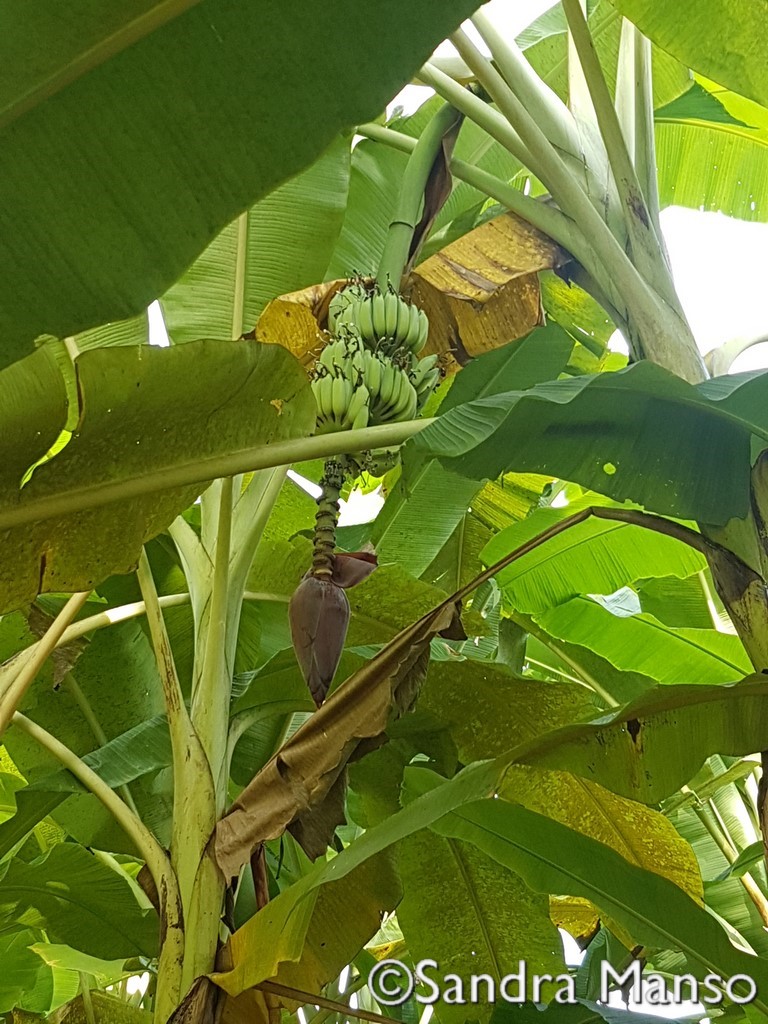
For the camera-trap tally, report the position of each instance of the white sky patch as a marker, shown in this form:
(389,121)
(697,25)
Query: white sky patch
(157,332)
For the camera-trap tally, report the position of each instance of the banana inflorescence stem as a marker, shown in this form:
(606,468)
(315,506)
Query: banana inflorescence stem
(323,555)
(397,246)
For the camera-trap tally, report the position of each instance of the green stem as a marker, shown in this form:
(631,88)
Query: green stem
(626,91)
(544,104)
(210,717)
(646,246)
(262,456)
(85,992)
(546,218)
(411,198)
(720,360)
(211,691)
(497,126)
(326,520)
(169,971)
(192,783)
(645,134)
(112,616)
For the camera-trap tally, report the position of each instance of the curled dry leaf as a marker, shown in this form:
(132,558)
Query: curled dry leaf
(350,722)
(482,291)
(479,292)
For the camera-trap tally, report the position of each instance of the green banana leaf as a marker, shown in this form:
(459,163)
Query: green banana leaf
(722,39)
(593,557)
(188,113)
(143,411)
(80,902)
(641,434)
(640,643)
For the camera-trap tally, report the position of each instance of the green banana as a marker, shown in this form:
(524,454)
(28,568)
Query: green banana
(341,301)
(388,384)
(342,393)
(378,316)
(414,324)
(357,403)
(406,398)
(428,385)
(372,373)
(391,311)
(323,391)
(412,404)
(361,420)
(422,368)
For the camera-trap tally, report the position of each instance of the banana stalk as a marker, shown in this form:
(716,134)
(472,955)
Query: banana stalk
(397,248)
(323,557)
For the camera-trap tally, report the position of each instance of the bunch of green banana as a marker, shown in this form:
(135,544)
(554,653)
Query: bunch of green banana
(393,396)
(340,405)
(384,321)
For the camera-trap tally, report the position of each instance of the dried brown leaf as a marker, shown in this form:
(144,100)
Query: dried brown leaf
(479,292)
(482,291)
(304,770)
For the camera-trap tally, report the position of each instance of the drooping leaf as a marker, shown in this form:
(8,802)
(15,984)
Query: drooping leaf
(640,643)
(80,902)
(594,557)
(145,413)
(717,39)
(613,435)
(714,165)
(697,104)
(193,113)
(651,908)
(635,751)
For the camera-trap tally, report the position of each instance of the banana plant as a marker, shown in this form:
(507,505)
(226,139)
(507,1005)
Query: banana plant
(554,726)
